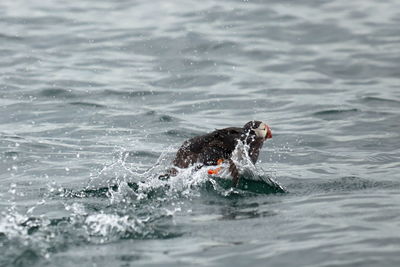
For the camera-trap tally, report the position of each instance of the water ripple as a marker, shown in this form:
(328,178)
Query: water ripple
(96,96)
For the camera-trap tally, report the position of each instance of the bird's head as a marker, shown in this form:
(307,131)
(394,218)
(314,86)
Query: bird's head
(259,128)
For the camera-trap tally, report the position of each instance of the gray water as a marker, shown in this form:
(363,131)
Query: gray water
(97,95)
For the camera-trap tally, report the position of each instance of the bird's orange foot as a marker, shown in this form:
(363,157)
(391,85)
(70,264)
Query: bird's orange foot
(216,170)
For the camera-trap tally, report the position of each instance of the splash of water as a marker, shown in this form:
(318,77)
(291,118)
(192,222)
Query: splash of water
(130,204)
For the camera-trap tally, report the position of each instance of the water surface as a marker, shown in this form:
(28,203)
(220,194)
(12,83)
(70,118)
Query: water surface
(97,95)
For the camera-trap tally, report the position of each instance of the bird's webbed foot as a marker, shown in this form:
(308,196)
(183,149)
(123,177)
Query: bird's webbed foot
(216,170)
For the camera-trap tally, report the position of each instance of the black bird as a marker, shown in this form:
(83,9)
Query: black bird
(215,147)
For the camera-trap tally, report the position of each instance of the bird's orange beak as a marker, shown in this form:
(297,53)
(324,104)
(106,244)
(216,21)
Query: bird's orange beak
(269,133)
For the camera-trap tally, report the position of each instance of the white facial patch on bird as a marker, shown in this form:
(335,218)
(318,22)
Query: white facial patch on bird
(261,131)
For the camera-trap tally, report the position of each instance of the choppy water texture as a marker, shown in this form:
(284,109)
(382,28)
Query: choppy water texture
(97,95)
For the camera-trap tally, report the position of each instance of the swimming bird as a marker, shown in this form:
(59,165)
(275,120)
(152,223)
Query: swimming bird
(217,147)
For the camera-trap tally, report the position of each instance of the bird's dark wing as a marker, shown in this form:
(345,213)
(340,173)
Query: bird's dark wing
(208,148)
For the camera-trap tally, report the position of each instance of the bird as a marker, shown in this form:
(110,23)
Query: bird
(212,149)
